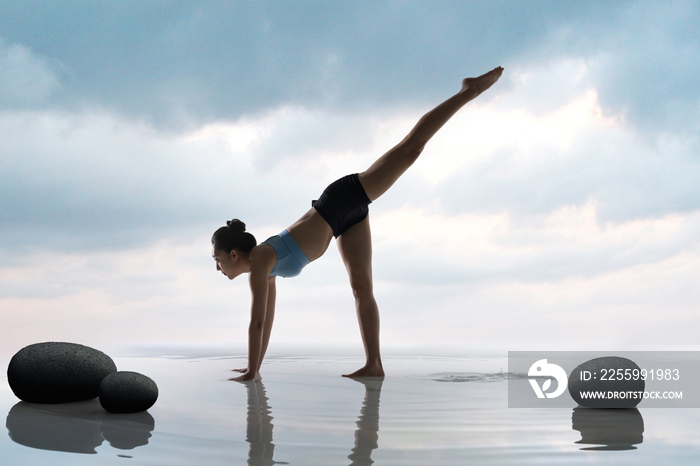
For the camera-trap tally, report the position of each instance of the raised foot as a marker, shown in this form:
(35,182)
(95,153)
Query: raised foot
(480,84)
(367,371)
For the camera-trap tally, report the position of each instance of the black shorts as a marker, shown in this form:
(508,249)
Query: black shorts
(343,204)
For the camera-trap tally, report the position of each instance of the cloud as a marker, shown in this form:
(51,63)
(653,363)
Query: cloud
(25,77)
(563,197)
(495,282)
(94,180)
(647,70)
(99,180)
(165,291)
(183,65)
(527,159)
(568,243)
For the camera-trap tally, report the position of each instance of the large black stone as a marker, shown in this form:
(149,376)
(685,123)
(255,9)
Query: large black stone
(602,376)
(127,392)
(55,372)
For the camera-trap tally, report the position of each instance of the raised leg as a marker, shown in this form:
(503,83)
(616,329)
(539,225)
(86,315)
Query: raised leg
(355,246)
(384,172)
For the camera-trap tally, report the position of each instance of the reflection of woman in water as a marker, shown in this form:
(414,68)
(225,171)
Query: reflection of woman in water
(259,425)
(341,211)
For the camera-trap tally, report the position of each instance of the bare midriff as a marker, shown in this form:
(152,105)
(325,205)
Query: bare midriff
(312,234)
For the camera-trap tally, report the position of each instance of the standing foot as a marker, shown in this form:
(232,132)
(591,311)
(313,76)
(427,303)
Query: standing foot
(370,370)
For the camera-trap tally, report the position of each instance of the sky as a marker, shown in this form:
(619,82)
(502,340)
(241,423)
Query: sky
(559,210)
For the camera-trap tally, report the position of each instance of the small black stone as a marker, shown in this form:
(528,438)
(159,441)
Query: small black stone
(127,392)
(56,372)
(606,367)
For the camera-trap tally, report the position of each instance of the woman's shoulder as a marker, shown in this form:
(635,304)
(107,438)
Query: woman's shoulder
(263,256)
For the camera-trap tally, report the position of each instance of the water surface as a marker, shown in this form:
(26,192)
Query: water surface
(428,410)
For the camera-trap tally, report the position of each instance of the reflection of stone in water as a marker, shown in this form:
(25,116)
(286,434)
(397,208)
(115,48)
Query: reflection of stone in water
(614,429)
(76,427)
(54,427)
(127,431)
(367,433)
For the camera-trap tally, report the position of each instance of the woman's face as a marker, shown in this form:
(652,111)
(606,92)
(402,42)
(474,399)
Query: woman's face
(228,263)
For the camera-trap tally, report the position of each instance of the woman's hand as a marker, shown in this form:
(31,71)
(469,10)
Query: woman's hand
(247,376)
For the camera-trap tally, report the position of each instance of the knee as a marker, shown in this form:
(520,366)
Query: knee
(415,152)
(412,150)
(361,287)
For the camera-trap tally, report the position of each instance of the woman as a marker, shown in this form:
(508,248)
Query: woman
(340,212)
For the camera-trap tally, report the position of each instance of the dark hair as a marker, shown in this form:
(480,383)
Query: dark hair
(233,236)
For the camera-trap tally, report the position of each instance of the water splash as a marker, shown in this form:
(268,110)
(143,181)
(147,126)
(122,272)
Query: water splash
(477,377)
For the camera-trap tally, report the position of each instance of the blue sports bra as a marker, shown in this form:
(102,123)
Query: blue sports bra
(290,258)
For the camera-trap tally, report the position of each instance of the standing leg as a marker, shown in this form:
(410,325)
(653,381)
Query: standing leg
(382,174)
(355,246)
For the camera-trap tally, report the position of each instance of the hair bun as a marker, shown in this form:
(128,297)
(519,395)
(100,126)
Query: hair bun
(236,225)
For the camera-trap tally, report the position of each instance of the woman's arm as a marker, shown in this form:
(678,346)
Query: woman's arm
(261,287)
(269,318)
